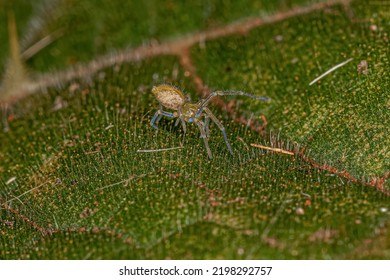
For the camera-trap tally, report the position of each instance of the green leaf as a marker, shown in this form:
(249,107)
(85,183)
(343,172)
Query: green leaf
(83,175)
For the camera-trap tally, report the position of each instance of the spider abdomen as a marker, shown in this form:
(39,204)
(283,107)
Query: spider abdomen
(169,96)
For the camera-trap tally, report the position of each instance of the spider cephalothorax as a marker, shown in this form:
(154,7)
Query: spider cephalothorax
(185,111)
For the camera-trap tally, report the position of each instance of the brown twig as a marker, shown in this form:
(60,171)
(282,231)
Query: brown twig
(27,220)
(379,183)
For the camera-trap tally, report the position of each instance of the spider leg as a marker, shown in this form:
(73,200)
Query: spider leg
(206,101)
(206,125)
(203,135)
(183,123)
(153,121)
(220,126)
(177,121)
(159,118)
(200,111)
(158,115)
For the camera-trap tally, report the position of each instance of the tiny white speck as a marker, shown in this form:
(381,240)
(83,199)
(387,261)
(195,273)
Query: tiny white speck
(383,209)
(294,60)
(278,38)
(240,251)
(373,27)
(299,211)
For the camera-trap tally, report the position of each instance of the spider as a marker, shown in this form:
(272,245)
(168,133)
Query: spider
(185,111)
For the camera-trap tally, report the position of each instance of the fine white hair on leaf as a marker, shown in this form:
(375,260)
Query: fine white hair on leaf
(330,70)
(10,180)
(158,150)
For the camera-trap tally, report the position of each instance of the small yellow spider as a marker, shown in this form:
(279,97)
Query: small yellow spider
(172,98)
